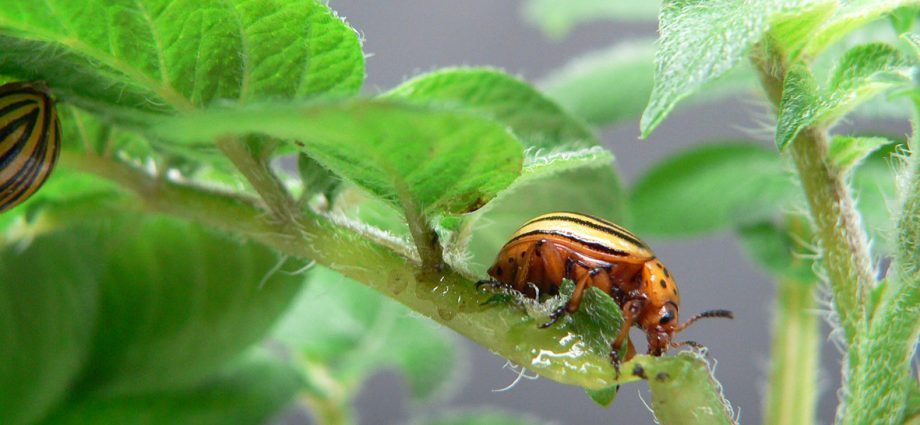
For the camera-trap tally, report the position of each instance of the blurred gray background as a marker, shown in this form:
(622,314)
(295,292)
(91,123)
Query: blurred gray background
(406,37)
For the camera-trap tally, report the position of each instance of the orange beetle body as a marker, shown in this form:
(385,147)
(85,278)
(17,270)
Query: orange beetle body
(595,253)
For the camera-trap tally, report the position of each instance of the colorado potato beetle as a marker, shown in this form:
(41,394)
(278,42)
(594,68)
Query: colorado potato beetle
(596,253)
(30,135)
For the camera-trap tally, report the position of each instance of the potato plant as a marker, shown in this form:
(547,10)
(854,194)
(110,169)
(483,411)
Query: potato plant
(234,226)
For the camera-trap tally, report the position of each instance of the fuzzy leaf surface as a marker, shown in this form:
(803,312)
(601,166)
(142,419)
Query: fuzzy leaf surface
(702,40)
(861,73)
(848,16)
(417,159)
(536,120)
(131,58)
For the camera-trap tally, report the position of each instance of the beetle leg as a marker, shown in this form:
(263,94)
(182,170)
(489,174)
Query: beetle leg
(572,305)
(553,265)
(494,284)
(575,301)
(631,310)
(520,277)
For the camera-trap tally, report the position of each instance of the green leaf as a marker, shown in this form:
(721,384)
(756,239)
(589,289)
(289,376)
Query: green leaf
(537,121)
(251,392)
(558,18)
(684,392)
(613,85)
(903,18)
(149,56)
(48,303)
(547,184)
(861,73)
(482,417)
(847,152)
(710,188)
(851,15)
(65,193)
(913,40)
(417,159)
(773,248)
(315,179)
(356,331)
(702,40)
(875,187)
(792,31)
(178,302)
(604,397)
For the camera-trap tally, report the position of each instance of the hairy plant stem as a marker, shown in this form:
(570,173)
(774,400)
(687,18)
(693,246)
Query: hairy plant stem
(257,171)
(879,389)
(844,244)
(879,347)
(792,389)
(447,297)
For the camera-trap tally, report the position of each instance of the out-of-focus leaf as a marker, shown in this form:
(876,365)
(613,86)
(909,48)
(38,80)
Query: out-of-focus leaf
(419,159)
(536,120)
(861,73)
(846,152)
(48,302)
(482,417)
(710,188)
(557,18)
(613,85)
(874,184)
(773,248)
(850,15)
(792,31)
(151,57)
(355,332)
(178,302)
(903,18)
(249,393)
(66,190)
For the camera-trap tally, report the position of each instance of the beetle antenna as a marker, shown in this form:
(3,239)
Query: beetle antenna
(688,343)
(705,315)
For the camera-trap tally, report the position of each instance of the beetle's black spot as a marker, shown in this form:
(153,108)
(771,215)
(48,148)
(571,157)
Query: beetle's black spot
(510,260)
(498,271)
(639,371)
(666,272)
(662,377)
(523,253)
(663,283)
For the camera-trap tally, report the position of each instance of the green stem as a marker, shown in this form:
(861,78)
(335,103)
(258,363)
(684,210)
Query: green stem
(879,389)
(446,296)
(260,176)
(792,396)
(844,244)
(328,400)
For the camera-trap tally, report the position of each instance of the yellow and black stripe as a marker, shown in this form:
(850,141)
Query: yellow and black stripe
(30,137)
(596,233)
